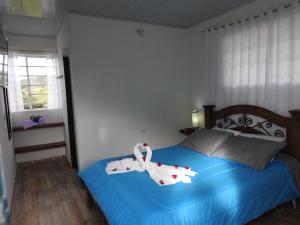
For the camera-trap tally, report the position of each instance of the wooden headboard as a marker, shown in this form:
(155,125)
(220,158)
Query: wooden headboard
(257,120)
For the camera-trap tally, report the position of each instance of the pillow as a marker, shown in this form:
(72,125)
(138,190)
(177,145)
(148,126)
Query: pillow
(264,137)
(253,152)
(235,132)
(206,140)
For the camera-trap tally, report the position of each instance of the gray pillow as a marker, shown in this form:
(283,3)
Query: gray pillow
(206,140)
(252,152)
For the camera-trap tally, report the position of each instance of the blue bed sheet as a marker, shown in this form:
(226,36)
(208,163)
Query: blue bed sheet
(223,192)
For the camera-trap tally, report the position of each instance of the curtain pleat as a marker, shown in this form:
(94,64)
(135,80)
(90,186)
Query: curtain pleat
(14,85)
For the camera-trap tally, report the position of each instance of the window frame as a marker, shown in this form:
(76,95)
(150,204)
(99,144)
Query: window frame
(28,79)
(4,69)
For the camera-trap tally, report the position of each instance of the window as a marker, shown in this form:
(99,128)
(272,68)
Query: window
(3,68)
(255,62)
(32,8)
(35,83)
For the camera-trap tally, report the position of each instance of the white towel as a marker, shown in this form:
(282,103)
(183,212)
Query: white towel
(161,174)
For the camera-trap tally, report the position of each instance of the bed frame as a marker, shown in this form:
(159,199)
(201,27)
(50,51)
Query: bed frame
(287,127)
(266,120)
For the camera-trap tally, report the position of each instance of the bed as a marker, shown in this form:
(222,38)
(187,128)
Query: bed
(224,192)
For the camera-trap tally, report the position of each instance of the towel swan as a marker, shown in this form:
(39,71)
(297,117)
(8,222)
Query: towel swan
(161,174)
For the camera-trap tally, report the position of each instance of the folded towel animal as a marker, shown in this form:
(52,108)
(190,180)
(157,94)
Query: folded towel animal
(161,174)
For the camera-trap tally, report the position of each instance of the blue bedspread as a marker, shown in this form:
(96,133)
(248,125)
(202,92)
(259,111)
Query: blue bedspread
(223,192)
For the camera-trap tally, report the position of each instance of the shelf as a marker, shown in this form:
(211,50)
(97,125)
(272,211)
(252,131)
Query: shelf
(34,148)
(43,126)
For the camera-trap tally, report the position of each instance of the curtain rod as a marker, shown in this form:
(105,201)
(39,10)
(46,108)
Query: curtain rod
(274,10)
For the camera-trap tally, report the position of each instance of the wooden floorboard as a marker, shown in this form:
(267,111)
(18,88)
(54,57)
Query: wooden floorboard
(48,192)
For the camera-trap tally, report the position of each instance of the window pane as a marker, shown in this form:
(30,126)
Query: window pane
(6,80)
(25,93)
(33,72)
(39,90)
(37,61)
(51,71)
(25,97)
(1,58)
(37,71)
(20,61)
(26,106)
(20,71)
(38,80)
(5,59)
(23,80)
(39,101)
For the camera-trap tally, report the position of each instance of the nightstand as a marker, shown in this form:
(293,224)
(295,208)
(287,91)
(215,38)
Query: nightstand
(188,131)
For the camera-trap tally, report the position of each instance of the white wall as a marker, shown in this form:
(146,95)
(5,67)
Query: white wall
(31,43)
(7,151)
(40,136)
(196,78)
(127,88)
(196,43)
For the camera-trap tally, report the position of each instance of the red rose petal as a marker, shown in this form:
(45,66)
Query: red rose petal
(115,169)
(145,144)
(158,164)
(187,168)
(161,182)
(174,176)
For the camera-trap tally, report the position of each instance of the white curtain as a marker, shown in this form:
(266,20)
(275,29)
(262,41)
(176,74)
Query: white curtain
(14,85)
(14,82)
(255,62)
(54,99)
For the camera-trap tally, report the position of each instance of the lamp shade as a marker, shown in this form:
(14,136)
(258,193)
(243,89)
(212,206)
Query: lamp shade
(197,118)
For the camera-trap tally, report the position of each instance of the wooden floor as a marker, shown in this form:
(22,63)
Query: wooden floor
(49,193)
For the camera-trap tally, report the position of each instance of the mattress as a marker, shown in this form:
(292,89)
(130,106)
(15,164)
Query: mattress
(223,192)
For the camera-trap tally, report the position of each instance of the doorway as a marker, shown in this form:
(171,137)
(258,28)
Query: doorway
(70,112)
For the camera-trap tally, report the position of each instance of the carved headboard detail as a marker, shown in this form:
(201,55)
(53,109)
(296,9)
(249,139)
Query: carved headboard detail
(251,122)
(257,120)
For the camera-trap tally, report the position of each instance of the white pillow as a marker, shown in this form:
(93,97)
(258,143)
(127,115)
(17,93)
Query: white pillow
(264,137)
(235,132)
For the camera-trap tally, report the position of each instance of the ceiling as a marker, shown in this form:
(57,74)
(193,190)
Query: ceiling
(42,17)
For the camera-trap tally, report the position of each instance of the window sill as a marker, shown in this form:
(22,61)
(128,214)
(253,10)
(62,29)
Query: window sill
(46,125)
(36,110)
